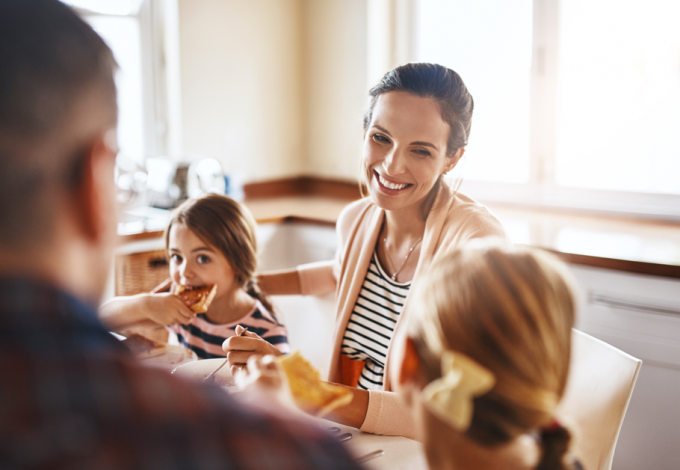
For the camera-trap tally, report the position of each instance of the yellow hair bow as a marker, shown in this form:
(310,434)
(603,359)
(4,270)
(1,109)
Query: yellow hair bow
(450,396)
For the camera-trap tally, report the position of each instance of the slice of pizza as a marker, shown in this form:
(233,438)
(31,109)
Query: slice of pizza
(311,393)
(197,298)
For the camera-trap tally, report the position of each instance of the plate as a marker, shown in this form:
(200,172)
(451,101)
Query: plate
(199,370)
(173,357)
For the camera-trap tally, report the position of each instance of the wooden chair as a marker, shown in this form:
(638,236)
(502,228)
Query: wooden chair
(600,384)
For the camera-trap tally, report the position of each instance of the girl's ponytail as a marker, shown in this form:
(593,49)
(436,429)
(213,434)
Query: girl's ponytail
(554,445)
(253,290)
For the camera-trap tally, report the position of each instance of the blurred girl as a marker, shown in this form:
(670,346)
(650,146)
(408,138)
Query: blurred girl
(485,360)
(210,240)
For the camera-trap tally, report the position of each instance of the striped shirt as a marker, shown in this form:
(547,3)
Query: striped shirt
(205,338)
(371,325)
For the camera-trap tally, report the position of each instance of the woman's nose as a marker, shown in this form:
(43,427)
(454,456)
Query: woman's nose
(394,162)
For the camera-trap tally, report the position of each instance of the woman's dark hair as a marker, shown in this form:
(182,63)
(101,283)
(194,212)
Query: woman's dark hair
(438,83)
(228,226)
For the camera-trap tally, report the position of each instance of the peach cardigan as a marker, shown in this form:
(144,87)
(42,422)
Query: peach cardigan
(453,220)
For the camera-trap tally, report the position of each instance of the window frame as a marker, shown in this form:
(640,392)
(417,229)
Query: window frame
(156,108)
(542,189)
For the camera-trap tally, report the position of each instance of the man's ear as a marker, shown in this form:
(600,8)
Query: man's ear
(94,196)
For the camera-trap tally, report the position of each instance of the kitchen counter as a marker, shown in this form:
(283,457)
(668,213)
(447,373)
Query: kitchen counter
(632,245)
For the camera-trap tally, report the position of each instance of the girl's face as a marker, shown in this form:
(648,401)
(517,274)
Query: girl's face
(195,263)
(405,149)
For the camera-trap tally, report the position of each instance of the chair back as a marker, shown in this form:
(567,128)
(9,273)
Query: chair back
(600,384)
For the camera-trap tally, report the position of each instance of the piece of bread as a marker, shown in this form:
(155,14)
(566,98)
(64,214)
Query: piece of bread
(311,393)
(143,347)
(196,298)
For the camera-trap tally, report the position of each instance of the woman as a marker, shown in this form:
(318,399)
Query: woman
(486,358)
(415,131)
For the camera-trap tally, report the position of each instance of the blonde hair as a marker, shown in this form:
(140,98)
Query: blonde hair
(511,310)
(228,226)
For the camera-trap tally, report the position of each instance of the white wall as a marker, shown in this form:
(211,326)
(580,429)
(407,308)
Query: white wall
(274,88)
(241,84)
(335,86)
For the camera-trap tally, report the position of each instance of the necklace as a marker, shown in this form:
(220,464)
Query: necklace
(394,276)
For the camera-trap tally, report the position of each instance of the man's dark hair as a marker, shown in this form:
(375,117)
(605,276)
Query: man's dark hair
(55,74)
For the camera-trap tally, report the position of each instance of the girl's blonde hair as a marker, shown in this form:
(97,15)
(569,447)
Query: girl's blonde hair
(228,226)
(511,310)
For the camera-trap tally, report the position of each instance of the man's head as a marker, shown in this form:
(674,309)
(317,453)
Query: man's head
(57,126)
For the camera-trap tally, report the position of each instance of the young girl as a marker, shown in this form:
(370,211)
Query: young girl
(210,240)
(485,360)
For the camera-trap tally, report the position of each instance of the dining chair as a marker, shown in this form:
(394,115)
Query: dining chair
(599,387)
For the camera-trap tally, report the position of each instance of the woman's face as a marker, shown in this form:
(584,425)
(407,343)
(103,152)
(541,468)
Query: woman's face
(194,263)
(405,150)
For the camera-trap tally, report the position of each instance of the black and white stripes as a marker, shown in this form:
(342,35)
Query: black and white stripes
(372,323)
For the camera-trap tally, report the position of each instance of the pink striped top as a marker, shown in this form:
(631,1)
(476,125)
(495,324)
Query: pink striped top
(205,338)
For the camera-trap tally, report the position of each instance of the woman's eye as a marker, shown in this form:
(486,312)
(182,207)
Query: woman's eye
(381,139)
(422,152)
(203,259)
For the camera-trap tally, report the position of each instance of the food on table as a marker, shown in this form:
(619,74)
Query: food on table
(310,392)
(197,298)
(143,347)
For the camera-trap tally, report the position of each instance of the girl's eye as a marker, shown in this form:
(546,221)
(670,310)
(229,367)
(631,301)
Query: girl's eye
(381,139)
(175,258)
(203,259)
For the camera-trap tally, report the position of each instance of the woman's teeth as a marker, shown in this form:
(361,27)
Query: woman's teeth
(389,185)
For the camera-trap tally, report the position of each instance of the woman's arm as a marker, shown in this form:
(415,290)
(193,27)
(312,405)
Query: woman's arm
(163,309)
(354,413)
(307,279)
(375,412)
(284,282)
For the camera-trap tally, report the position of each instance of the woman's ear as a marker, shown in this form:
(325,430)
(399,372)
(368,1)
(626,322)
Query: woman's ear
(453,161)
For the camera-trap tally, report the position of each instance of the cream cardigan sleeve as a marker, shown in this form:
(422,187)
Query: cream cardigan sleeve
(387,415)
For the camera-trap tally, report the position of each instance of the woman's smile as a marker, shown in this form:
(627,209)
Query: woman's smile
(390,186)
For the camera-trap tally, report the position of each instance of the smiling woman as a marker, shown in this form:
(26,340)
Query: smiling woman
(416,130)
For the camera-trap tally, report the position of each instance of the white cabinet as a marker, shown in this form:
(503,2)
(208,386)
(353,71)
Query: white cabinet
(640,315)
(309,320)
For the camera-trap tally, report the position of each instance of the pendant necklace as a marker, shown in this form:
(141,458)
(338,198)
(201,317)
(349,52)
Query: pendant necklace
(394,276)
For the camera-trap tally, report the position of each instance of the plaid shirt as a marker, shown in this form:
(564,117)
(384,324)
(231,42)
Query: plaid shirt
(72,398)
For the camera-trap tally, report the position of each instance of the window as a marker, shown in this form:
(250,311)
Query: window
(577,102)
(136,33)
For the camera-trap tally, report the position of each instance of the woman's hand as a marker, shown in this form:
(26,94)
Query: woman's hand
(240,348)
(264,384)
(166,309)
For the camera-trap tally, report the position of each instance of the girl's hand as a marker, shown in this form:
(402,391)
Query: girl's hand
(166,309)
(240,348)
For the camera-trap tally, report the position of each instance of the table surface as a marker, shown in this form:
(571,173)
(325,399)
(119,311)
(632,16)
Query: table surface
(400,452)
